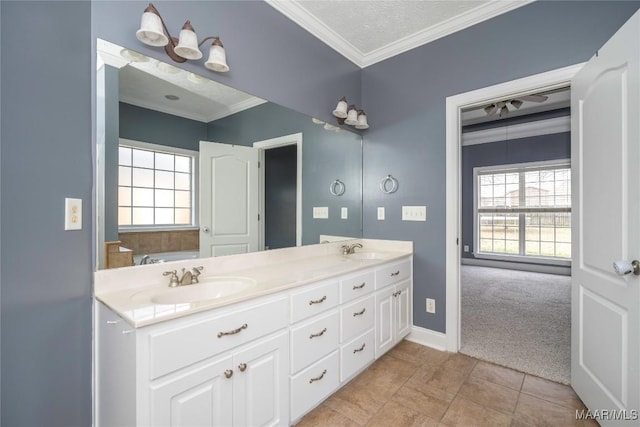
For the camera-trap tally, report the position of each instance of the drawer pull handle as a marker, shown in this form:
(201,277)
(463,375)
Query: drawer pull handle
(242,367)
(359,313)
(228,373)
(396,273)
(319,334)
(396,293)
(318,301)
(358,350)
(235,331)
(318,378)
(359,287)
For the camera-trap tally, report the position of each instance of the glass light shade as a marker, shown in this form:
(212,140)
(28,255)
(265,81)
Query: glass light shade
(362,121)
(188,43)
(352,116)
(217,58)
(151,31)
(341,109)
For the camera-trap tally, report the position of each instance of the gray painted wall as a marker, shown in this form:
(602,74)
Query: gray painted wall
(404,98)
(46,156)
(326,156)
(533,149)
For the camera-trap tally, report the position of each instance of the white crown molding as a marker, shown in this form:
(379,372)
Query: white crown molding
(302,17)
(236,108)
(523,130)
(319,29)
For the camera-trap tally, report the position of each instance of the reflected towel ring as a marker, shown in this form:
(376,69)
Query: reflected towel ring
(384,185)
(337,188)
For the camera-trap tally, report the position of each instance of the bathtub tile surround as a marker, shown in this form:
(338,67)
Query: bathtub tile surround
(301,324)
(151,242)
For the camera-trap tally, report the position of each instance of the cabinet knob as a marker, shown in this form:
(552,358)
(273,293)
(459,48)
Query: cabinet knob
(242,367)
(228,373)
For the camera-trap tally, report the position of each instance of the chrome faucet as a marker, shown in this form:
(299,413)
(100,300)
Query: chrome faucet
(188,277)
(144,260)
(347,250)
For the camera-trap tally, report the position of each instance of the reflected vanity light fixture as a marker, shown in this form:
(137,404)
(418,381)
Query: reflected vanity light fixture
(350,115)
(154,32)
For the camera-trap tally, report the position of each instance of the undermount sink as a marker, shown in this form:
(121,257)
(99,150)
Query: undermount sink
(367,256)
(209,288)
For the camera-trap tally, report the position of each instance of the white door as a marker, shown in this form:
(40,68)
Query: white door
(228,199)
(605,144)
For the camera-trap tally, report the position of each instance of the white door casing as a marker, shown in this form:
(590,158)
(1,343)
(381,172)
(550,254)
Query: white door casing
(605,145)
(228,199)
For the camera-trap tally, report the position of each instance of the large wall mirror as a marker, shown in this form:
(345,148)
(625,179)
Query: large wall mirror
(188,167)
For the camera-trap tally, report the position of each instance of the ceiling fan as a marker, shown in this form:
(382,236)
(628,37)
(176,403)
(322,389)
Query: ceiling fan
(501,107)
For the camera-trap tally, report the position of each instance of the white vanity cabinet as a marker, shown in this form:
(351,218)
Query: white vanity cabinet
(218,368)
(393,301)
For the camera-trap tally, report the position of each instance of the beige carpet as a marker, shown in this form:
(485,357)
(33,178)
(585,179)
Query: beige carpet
(518,319)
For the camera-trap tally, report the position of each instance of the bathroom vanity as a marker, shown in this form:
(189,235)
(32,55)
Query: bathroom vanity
(261,340)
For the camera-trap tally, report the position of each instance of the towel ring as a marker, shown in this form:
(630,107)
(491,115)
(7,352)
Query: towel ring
(337,188)
(384,185)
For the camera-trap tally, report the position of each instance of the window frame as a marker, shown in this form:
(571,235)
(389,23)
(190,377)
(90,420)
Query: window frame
(517,167)
(194,225)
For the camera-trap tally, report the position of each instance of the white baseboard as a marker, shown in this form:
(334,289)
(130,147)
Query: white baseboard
(428,338)
(536,268)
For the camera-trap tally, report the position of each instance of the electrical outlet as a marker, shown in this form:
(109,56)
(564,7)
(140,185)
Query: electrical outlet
(344,213)
(431,305)
(466,248)
(381,213)
(72,214)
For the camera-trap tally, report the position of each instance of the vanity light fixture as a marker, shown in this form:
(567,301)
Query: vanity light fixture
(154,32)
(350,115)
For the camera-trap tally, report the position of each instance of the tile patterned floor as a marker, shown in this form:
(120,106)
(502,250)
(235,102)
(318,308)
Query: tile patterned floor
(413,385)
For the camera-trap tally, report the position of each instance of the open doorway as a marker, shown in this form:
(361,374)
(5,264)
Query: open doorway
(495,236)
(280,191)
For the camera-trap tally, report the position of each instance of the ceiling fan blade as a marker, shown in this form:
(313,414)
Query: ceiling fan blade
(534,98)
(490,109)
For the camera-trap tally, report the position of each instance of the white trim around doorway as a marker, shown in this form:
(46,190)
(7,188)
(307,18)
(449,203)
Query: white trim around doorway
(281,141)
(527,85)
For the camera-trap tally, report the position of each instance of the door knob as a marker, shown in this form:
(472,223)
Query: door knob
(625,267)
(205,229)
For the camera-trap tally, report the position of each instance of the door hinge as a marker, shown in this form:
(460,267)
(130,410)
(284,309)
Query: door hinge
(259,165)
(258,217)
(458,241)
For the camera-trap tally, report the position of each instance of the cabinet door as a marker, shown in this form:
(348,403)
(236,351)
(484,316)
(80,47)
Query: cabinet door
(403,316)
(195,397)
(385,324)
(260,385)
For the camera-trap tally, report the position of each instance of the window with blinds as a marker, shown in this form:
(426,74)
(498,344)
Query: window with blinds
(524,210)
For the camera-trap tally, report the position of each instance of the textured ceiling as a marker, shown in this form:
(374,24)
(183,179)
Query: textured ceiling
(369,31)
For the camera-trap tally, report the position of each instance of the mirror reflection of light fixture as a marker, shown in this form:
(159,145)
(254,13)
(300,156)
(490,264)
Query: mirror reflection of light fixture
(516,103)
(154,32)
(362,121)
(350,115)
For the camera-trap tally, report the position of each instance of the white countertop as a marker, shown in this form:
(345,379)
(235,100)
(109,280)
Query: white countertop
(128,291)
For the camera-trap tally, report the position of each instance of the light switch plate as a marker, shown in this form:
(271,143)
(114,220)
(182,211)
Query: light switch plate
(381,213)
(72,214)
(344,213)
(414,213)
(321,212)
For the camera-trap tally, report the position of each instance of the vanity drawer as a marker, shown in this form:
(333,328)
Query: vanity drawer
(179,346)
(356,286)
(314,300)
(357,317)
(314,384)
(314,339)
(356,354)
(392,273)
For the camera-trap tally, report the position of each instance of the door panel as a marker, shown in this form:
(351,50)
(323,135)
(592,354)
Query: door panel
(605,145)
(229,199)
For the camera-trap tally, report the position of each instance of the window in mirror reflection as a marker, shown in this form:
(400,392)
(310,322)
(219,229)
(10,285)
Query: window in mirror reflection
(155,186)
